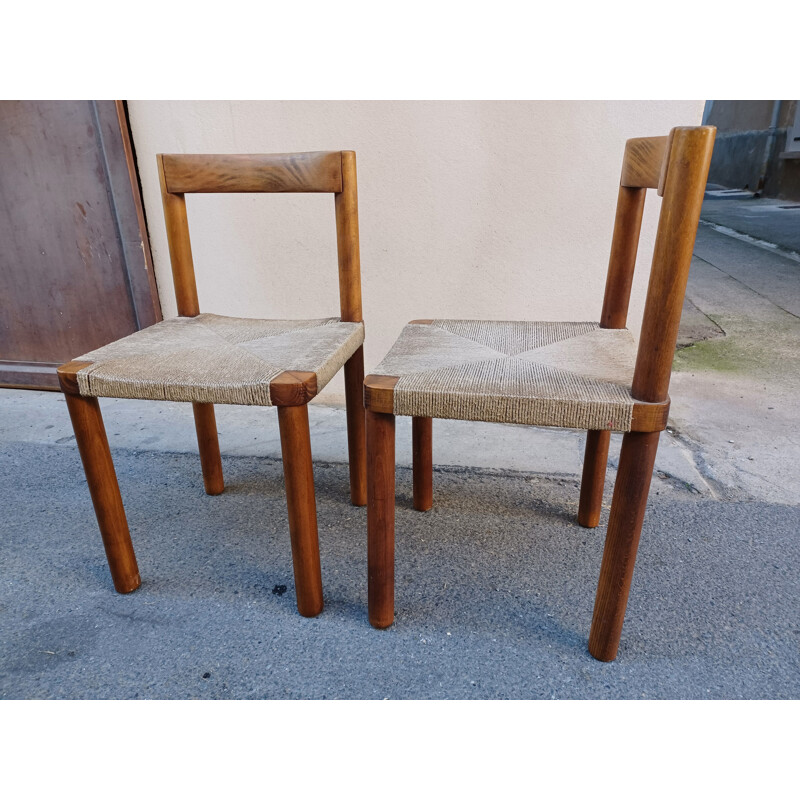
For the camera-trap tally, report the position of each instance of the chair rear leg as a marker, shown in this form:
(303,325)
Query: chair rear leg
(636,462)
(298,475)
(90,434)
(356,445)
(380,518)
(422,446)
(208,443)
(593,481)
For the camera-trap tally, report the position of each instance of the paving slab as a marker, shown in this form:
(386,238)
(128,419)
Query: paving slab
(735,398)
(41,417)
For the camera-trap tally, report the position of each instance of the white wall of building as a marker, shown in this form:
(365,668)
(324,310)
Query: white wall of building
(492,210)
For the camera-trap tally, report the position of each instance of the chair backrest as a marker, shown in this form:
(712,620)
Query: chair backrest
(677,167)
(333,172)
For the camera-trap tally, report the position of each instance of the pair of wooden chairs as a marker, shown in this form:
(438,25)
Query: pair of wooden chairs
(584,375)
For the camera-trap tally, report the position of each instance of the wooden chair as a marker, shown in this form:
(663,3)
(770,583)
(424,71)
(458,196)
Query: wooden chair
(206,359)
(578,375)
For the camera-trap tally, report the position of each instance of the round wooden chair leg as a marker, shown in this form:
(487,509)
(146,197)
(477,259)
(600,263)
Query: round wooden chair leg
(356,445)
(636,462)
(594,478)
(422,446)
(90,434)
(298,475)
(380,518)
(208,443)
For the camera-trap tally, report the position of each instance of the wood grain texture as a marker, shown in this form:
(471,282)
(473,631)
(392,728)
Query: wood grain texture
(302,506)
(180,247)
(38,375)
(593,481)
(73,257)
(205,423)
(422,462)
(144,290)
(276,172)
(662,178)
(68,376)
(689,161)
(649,417)
(642,163)
(90,434)
(293,388)
(621,263)
(356,436)
(347,241)
(622,541)
(380,518)
(379,393)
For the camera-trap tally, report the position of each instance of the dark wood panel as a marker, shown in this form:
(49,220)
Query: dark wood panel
(74,267)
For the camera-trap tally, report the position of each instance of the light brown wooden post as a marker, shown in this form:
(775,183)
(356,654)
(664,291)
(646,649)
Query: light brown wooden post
(689,157)
(205,423)
(298,475)
(180,247)
(422,449)
(346,202)
(624,246)
(628,505)
(684,188)
(621,264)
(180,252)
(595,461)
(380,518)
(356,439)
(90,434)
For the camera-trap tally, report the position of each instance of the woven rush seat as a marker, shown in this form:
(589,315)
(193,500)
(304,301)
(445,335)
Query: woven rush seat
(217,359)
(562,374)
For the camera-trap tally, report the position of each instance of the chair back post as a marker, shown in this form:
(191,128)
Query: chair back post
(621,263)
(346,202)
(180,247)
(684,181)
(326,171)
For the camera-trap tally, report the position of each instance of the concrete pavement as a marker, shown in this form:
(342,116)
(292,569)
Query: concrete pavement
(495,588)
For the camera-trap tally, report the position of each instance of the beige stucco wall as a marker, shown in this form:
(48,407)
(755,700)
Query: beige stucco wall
(494,210)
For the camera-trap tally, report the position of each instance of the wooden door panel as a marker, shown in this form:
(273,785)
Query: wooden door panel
(74,264)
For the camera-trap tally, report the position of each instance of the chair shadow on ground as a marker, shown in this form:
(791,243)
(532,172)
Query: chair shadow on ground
(237,545)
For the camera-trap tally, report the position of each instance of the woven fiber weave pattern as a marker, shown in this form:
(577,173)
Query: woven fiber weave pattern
(559,374)
(216,359)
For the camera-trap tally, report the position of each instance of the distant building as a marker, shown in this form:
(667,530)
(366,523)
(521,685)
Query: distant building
(757,146)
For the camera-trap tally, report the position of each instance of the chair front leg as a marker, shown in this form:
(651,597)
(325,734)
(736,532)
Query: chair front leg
(595,460)
(90,434)
(380,518)
(422,448)
(298,475)
(636,463)
(208,444)
(354,399)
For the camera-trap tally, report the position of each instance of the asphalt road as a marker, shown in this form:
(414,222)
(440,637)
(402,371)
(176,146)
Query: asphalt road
(495,589)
